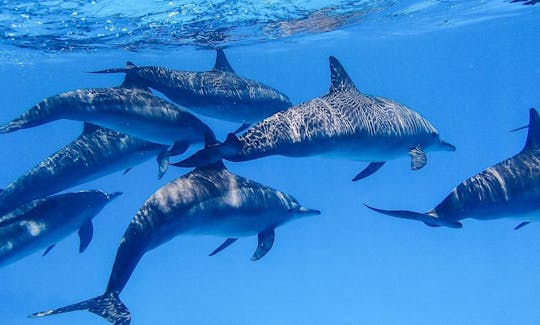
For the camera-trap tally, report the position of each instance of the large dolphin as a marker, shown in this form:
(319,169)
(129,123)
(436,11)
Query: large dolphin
(343,123)
(209,200)
(510,188)
(96,152)
(129,108)
(218,93)
(43,222)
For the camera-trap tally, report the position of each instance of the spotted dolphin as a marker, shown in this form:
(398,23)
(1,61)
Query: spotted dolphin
(343,123)
(209,200)
(129,108)
(95,153)
(219,93)
(42,223)
(509,189)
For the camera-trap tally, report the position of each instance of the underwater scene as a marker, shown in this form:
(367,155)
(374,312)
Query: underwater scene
(270,162)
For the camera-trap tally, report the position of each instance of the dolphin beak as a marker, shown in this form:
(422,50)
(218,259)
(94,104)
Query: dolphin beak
(308,212)
(446,146)
(114,195)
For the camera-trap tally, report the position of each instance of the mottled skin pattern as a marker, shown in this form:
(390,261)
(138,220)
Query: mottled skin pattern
(92,155)
(209,200)
(41,223)
(129,110)
(342,123)
(219,94)
(509,188)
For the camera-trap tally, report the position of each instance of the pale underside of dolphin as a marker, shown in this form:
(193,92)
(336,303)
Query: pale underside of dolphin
(95,153)
(42,223)
(219,93)
(209,200)
(343,123)
(509,189)
(129,108)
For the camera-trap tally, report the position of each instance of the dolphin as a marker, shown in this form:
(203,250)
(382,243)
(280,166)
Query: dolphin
(343,123)
(509,189)
(129,108)
(96,152)
(219,93)
(209,200)
(43,222)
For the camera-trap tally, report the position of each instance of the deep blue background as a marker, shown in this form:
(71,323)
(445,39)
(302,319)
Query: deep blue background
(346,266)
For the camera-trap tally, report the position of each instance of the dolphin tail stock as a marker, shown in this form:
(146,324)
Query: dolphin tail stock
(213,152)
(108,306)
(423,217)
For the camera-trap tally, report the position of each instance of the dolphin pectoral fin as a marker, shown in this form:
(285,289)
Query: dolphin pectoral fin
(108,306)
(370,169)
(424,217)
(127,170)
(225,244)
(265,243)
(418,158)
(48,249)
(521,225)
(242,128)
(163,163)
(86,232)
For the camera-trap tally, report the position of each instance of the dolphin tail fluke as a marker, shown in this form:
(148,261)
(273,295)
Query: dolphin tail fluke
(424,217)
(113,70)
(108,306)
(212,153)
(129,65)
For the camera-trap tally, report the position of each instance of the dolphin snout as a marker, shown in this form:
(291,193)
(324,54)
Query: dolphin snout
(447,146)
(309,212)
(114,195)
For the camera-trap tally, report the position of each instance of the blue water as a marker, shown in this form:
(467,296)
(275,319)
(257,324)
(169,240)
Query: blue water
(473,70)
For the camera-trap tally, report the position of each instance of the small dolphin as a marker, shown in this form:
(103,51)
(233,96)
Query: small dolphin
(43,222)
(510,188)
(209,200)
(343,123)
(218,93)
(95,153)
(129,108)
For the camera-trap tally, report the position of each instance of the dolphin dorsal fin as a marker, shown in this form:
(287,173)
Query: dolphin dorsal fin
(533,137)
(222,64)
(89,128)
(131,82)
(339,79)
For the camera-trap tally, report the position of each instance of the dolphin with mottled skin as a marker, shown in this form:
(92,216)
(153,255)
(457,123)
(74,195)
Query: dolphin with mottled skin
(343,123)
(207,201)
(95,153)
(219,93)
(129,108)
(42,223)
(509,189)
